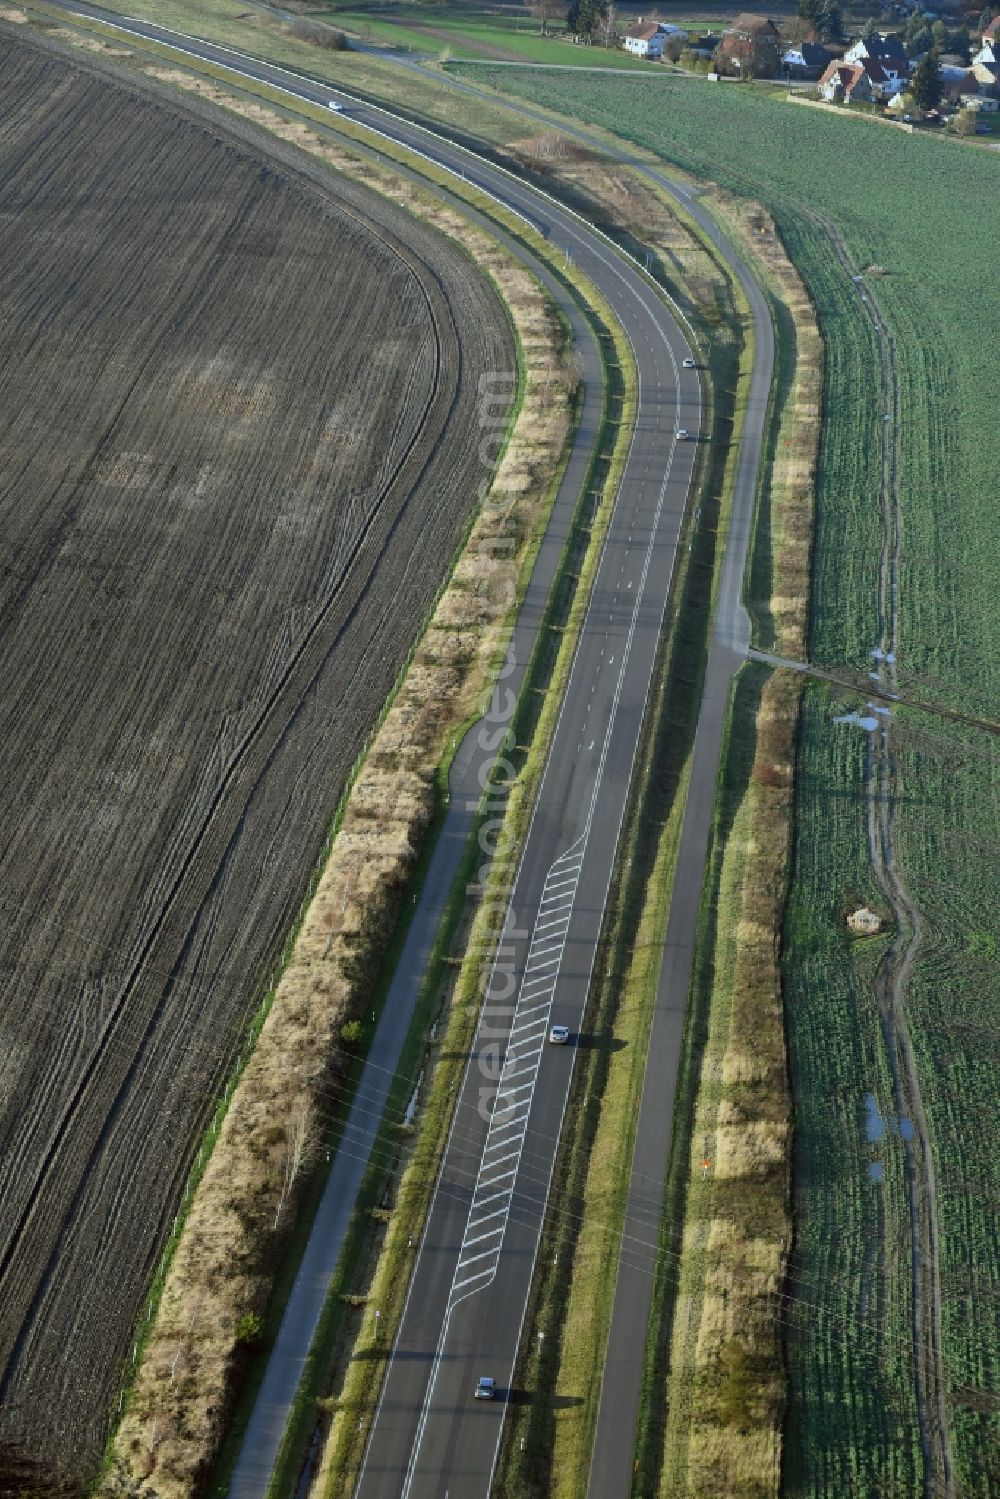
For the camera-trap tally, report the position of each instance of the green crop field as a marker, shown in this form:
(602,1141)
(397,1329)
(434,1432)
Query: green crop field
(466,34)
(927,212)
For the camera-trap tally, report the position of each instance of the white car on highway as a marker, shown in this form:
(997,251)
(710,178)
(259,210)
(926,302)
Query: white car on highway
(559,1035)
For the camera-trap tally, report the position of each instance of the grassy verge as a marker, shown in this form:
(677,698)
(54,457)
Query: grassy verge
(727,1231)
(548,1441)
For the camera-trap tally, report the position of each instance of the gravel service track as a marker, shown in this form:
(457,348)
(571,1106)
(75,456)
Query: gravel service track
(237,394)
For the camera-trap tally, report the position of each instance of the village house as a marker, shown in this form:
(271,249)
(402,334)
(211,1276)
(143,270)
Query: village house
(705,46)
(751,47)
(805,60)
(981,103)
(648,38)
(843,82)
(957,80)
(885,61)
(985,68)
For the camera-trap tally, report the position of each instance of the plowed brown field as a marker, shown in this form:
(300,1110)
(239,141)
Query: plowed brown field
(236,454)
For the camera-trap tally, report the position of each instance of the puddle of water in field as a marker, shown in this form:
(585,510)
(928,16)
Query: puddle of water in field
(860,721)
(874,1123)
(876,1171)
(905,1128)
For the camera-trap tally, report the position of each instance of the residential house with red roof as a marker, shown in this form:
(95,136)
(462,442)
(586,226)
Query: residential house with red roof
(750,47)
(843,81)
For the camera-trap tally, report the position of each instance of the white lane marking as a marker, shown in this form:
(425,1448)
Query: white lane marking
(524,1032)
(507,1108)
(474,1259)
(549,944)
(519,1072)
(534,987)
(547,963)
(471,1280)
(523,1058)
(531,1010)
(486,1218)
(513,1092)
(490,1233)
(495,1198)
(503,1158)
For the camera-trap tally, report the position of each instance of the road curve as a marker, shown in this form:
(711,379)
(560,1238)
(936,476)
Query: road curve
(470,1287)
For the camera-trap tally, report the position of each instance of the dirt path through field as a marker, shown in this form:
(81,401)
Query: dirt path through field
(883,792)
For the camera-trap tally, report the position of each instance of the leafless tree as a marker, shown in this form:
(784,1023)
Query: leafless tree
(543,11)
(299,1146)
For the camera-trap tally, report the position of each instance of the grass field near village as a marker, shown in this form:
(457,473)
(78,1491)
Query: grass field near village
(484,35)
(927,212)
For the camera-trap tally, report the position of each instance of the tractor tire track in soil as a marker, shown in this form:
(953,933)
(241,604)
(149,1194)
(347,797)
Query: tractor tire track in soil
(223,525)
(883,793)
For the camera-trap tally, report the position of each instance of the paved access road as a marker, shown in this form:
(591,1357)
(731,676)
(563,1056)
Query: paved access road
(469,1292)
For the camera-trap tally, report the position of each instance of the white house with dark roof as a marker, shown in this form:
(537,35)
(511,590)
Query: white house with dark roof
(805,60)
(885,60)
(648,38)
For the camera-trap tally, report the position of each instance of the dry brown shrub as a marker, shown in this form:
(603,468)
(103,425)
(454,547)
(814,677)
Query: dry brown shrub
(750,1148)
(794,471)
(744,1119)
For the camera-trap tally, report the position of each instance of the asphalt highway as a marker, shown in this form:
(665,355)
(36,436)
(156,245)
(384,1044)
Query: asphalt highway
(470,1288)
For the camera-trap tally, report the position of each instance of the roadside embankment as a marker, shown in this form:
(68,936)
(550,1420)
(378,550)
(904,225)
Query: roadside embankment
(727,1233)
